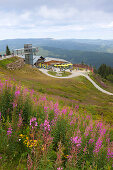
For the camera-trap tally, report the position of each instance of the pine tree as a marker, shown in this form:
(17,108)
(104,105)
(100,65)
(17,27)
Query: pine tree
(8,51)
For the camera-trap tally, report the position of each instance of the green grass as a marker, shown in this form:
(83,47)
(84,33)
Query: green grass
(53,73)
(3,63)
(63,74)
(97,78)
(69,92)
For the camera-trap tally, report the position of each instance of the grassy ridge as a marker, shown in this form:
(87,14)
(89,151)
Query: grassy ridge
(68,91)
(4,62)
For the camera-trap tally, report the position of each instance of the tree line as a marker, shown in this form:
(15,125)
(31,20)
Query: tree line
(106,72)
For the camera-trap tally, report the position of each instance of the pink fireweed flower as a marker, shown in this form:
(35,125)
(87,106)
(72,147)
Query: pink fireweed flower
(99,125)
(43,98)
(89,128)
(17,93)
(71,112)
(0,116)
(33,122)
(20,121)
(102,132)
(46,125)
(98,145)
(14,103)
(9,132)
(45,109)
(108,140)
(109,153)
(77,106)
(91,141)
(76,140)
(59,168)
(85,149)
(64,111)
(72,122)
(88,117)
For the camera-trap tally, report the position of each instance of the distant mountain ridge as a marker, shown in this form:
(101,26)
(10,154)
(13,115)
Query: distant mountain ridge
(94,52)
(70,44)
(77,56)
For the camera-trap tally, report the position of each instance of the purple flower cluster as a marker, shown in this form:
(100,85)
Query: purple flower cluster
(91,141)
(45,109)
(0,115)
(59,168)
(46,125)
(110,153)
(64,111)
(98,145)
(20,120)
(17,93)
(9,132)
(76,140)
(33,122)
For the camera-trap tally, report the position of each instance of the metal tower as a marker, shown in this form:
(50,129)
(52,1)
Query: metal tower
(28,51)
(28,54)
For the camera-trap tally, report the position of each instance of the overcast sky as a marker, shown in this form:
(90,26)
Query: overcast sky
(90,19)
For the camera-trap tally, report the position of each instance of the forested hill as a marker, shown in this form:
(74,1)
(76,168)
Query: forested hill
(94,52)
(69,44)
(76,56)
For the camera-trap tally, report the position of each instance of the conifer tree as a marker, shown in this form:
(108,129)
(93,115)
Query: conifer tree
(8,51)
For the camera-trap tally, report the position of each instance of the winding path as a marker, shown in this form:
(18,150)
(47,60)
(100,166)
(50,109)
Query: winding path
(75,74)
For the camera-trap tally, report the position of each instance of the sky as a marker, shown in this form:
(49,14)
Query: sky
(59,19)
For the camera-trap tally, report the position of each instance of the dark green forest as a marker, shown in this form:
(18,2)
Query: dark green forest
(106,72)
(76,56)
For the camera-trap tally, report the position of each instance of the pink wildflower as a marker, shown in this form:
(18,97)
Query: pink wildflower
(91,141)
(33,122)
(85,149)
(0,115)
(45,109)
(59,168)
(109,153)
(20,120)
(77,107)
(71,112)
(64,111)
(9,132)
(46,125)
(98,145)
(76,140)
(17,93)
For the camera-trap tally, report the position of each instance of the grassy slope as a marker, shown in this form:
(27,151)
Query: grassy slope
(3,63)
(108,84)
(68,91)
(63,74)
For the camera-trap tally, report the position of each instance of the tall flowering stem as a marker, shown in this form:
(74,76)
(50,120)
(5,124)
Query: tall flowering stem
(76,144)
(47,139)
(59,156)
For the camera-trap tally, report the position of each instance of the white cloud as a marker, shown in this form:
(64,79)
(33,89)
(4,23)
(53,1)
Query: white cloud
(54,13)
(56,19)
(107,26)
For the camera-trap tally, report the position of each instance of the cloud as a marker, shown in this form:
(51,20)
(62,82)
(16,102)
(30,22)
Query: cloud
(52,13)
(106,26)
(56,18)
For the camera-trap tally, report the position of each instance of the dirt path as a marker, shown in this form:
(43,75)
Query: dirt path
(75,74)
